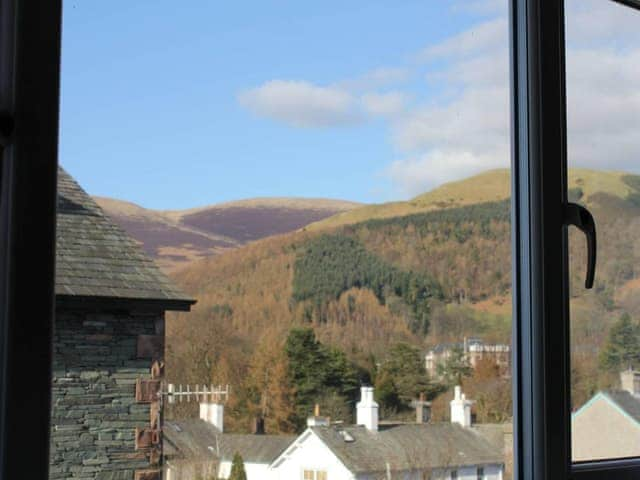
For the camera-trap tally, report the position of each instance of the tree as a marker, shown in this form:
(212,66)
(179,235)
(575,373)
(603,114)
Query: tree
(318,373)
(272,396)
(237,468)
(455,368)
(622,349)
(491,392)
(402,377)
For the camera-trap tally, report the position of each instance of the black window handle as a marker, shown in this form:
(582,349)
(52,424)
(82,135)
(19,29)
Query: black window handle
(580,217)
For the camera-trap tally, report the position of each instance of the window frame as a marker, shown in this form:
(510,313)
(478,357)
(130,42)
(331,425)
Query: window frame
(541,386)
(29,97)
(29,102)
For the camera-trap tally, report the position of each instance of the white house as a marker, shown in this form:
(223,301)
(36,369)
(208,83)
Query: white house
(371,451)
(199,448)
(608,425)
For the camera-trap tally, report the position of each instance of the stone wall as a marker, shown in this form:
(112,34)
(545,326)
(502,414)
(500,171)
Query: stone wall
(98,359)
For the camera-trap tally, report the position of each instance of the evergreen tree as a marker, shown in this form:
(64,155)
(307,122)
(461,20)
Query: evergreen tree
(455,368)
(319,374)
(622,349)
(403,376)
(237,468)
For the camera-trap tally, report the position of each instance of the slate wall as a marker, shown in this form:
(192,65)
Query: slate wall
(97,361)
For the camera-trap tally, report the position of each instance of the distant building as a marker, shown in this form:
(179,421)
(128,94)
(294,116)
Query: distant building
(372,450)
(108,346)
(474,350)
(608,425)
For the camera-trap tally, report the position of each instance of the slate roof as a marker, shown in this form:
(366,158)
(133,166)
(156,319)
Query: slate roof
(408,446)
(627,402)
(96,258)
(191,439)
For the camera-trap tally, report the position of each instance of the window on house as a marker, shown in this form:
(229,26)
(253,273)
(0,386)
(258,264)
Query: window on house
(480,474)
(314,475)
(454,475)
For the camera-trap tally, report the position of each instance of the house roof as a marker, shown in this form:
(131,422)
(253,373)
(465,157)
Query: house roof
(627,403)
(192,439)
(95,258)
(408,446)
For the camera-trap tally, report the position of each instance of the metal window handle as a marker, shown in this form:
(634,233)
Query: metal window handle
(580,217)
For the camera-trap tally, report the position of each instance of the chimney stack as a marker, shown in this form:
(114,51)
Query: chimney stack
(460,408)
(423,409)
(212,411)
(367,409)
(258,425)
(630,382)
(316,420)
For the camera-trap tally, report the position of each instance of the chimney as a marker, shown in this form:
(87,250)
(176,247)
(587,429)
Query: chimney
(460,408)
(212,413)
(316,420)
(258,425)
(630,382)
(367,409)
(423,409)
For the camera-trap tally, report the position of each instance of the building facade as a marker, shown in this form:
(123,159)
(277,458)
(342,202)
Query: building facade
(108,347)
(608,425)
(474,350)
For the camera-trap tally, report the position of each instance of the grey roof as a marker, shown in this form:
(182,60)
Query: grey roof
(626,402)
(96,258)
(409,446)
(191,439)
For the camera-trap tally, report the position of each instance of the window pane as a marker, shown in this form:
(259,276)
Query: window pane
(603,107)
(330,181)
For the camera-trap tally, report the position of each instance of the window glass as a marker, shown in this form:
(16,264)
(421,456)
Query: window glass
(330,182)
(603,116)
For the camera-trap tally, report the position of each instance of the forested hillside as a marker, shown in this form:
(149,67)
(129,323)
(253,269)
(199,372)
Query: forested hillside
(377,293)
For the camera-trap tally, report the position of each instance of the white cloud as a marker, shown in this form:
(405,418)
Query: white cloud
(384,104)
(466,129)
(482,7)
(482,37)
(378,77)
(301,104)
(415,175)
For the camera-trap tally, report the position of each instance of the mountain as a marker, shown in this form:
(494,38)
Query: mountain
(431,270)
(175,238)
(489,186)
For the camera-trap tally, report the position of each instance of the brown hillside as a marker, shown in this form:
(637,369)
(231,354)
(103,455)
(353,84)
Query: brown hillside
(175,238)
(246,295)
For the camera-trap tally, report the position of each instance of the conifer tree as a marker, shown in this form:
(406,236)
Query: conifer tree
(237,468)
(622,349)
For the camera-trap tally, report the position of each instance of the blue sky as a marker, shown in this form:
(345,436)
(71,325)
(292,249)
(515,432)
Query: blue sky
(179,105)
(151,107)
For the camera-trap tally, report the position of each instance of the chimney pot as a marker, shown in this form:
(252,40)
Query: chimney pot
(460,408)
(258,428)
(367,409)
